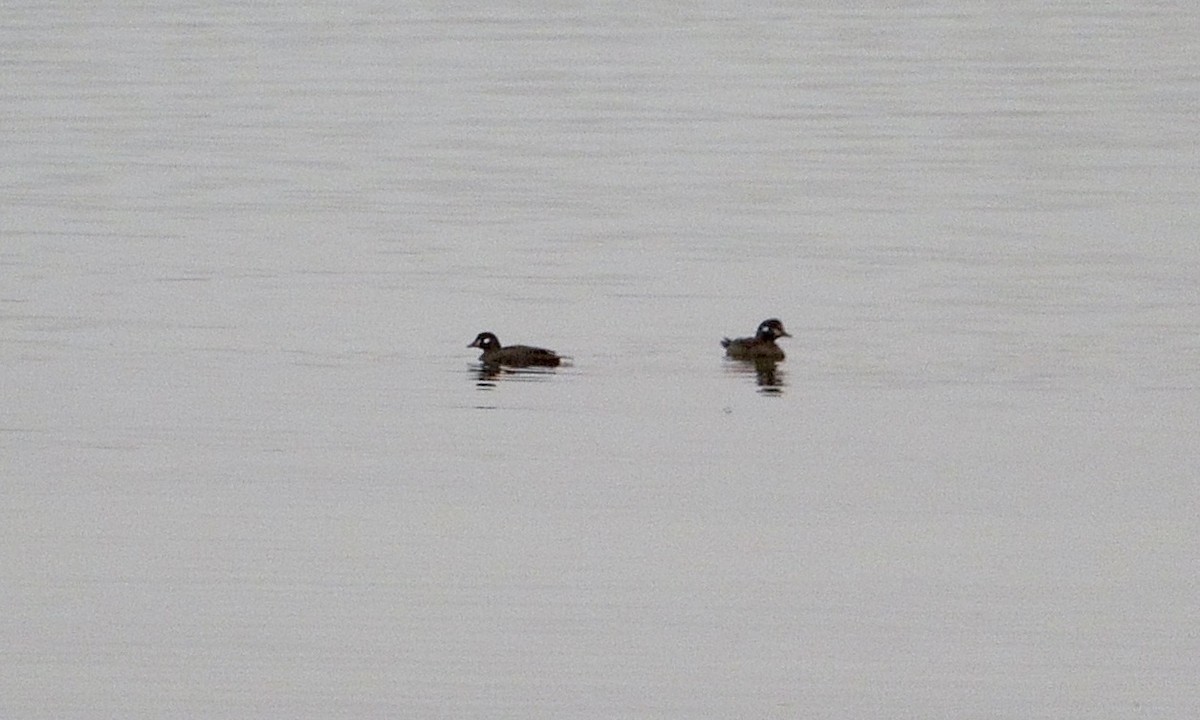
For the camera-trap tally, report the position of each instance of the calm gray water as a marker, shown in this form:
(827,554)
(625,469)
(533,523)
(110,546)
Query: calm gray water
(251,470)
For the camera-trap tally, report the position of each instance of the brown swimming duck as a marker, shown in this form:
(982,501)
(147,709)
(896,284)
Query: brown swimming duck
(513,355)
(760,347)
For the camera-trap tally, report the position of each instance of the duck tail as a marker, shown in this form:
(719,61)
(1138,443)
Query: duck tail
(725,342)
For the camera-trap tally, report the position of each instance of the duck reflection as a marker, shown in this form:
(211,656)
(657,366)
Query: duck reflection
(487,375)
(770,378)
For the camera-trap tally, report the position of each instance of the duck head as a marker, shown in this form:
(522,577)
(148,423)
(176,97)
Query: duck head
(770,330)
(486,341)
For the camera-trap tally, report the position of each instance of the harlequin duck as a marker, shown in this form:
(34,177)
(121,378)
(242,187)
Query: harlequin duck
(513,355)
(760,347)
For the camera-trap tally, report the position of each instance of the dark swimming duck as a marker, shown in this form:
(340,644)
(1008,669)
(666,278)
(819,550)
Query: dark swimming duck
(513,355)
(760,347)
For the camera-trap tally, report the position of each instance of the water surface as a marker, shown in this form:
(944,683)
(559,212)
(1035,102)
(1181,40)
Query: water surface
(250,468)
